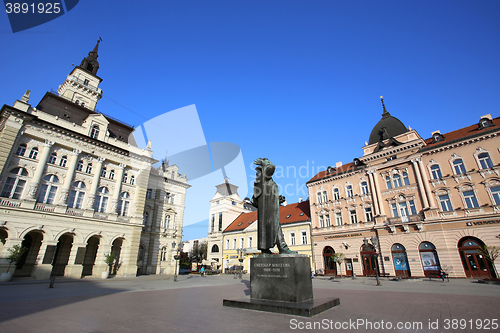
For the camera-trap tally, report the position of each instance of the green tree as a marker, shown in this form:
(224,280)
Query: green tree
(339,258)
(16,252)
(491,253)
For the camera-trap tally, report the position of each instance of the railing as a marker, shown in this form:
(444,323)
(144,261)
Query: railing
(100,216)
(74,212)
(74,78)
(5,202)
(44,208)
(405,219)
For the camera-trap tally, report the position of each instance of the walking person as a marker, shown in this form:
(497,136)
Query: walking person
(442,273)
(202,271)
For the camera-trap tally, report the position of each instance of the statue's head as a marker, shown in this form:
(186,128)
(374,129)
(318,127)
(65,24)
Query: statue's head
(265,166)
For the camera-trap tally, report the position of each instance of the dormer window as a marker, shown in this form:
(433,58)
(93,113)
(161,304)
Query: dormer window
(437,136)
(86,82)
(94,133)
(485,123)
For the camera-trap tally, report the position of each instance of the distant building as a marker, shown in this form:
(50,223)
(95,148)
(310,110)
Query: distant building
(241,234)
(429,203)
(225,207)
(74,187)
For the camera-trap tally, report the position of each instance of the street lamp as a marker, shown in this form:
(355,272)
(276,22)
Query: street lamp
(177,257)
(241,253)
(374,241)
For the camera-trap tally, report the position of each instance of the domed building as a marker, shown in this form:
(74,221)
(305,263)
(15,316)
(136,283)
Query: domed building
(409,206)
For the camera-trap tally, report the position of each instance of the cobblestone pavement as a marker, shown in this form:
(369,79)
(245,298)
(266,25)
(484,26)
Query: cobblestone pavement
(194,304)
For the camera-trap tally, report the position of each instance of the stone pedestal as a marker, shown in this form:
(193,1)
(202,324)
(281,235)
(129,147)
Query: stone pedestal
(282,284)
(281,278)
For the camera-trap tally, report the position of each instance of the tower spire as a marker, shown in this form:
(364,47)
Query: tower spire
(385,114)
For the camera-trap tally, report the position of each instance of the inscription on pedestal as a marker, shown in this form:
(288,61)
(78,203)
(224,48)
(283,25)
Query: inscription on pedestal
(281,278)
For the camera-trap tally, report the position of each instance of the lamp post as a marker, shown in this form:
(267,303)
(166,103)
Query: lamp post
(176,258)
(374,241)
(241,253)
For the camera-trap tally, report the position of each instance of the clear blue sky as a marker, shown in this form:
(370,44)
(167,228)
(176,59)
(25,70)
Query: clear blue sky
(307,73)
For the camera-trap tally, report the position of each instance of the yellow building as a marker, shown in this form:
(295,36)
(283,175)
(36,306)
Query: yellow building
(241,234)
(427,204)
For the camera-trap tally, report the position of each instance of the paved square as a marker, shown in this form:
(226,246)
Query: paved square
(194,304)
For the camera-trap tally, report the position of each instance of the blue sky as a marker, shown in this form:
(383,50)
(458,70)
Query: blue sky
(295,81)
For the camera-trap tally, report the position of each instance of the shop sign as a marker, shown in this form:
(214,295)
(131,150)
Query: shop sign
(470,224)
(344,236)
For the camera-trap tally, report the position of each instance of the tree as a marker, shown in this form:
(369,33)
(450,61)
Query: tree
(16,252)
(491,253)
(109,258)
(339,259)
(198,251)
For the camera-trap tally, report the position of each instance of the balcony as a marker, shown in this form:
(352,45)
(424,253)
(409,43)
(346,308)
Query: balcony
(44,208)
(10,202)
(74,212)
(405,219)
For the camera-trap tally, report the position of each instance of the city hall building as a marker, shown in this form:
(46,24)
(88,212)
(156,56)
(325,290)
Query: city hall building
(75,186)
(410,206)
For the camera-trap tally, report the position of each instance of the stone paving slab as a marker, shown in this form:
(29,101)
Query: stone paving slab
(195,305)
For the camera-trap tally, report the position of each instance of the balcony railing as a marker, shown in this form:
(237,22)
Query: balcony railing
(44,208)
(74,212)
(405,219)
(10,203)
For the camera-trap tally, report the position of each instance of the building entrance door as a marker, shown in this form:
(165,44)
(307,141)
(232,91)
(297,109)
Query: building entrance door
(475,264)
(348,267)
(329,264)
(400,259)
(368,258)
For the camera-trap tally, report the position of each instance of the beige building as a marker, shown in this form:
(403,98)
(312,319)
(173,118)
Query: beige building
(241,234)
(74,187)
(225,206)
(426,203)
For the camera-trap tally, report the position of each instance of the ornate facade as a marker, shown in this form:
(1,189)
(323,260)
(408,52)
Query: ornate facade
(74,187)
(409,205)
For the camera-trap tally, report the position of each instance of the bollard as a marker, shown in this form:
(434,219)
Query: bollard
(52,280)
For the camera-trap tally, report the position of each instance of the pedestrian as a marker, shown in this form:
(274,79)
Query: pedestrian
(442,274)
(202,271)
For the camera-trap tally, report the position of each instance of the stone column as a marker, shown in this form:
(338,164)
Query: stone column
(426,183)
(95,184)
(118,188)
(43,264)
(374,193)
(63,197)
(40,168)
(420,183)
(380,201)
(74,267)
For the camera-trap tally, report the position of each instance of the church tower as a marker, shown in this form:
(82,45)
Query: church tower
(82,84)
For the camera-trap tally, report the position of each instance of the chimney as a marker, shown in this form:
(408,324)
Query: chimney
(285,203)
(300,199)
(338,164)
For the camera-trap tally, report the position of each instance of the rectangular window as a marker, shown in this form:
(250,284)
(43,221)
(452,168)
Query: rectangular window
(406,180)
(227,244)
(413,210)
(459,167)
(321,221)
(388,182)
(485,161)
(394,208)
(242,242)
(327,220)
(234,243)
(436,172)
(212,224)
(292,238)
(364,187)
(470,199)
(336,194)
(250,241)
(304,237)
(495,192)
(445,202)
(396,180)
(368,214)
(325,196)
(319,197)
(149,191)
(353,216)
(338,218)
(220,221)
(403,209)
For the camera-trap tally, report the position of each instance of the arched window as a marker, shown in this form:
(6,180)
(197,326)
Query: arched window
(94,133)
(52,158)
(132,180)
(388,182)
(76,195)
(124,180)
(21,150)
(470,199)
(445,202)
(336,194)
(63,161)
(458,166)
(33,153)
(167,221)
(485,161)
(349,191)
(400,261)
(215,248)
(48,189)
(145,218)
(89,168)
(318,195)
(364,187)
(495,193)
(79,166)
(429,258)
(123,204)
(436,172)
(325,196)
(103,172)
(14,184)
(112,174)
(101,200)
(163,254)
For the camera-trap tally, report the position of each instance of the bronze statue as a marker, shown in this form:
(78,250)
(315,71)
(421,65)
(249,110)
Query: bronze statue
(267,200)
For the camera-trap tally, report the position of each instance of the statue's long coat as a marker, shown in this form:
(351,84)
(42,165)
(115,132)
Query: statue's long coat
(266,198)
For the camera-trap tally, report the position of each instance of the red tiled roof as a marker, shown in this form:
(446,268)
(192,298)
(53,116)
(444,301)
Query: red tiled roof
(294,210)
(461,134)
(336,171)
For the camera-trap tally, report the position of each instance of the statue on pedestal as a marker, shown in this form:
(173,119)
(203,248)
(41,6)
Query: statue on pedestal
(266,199)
